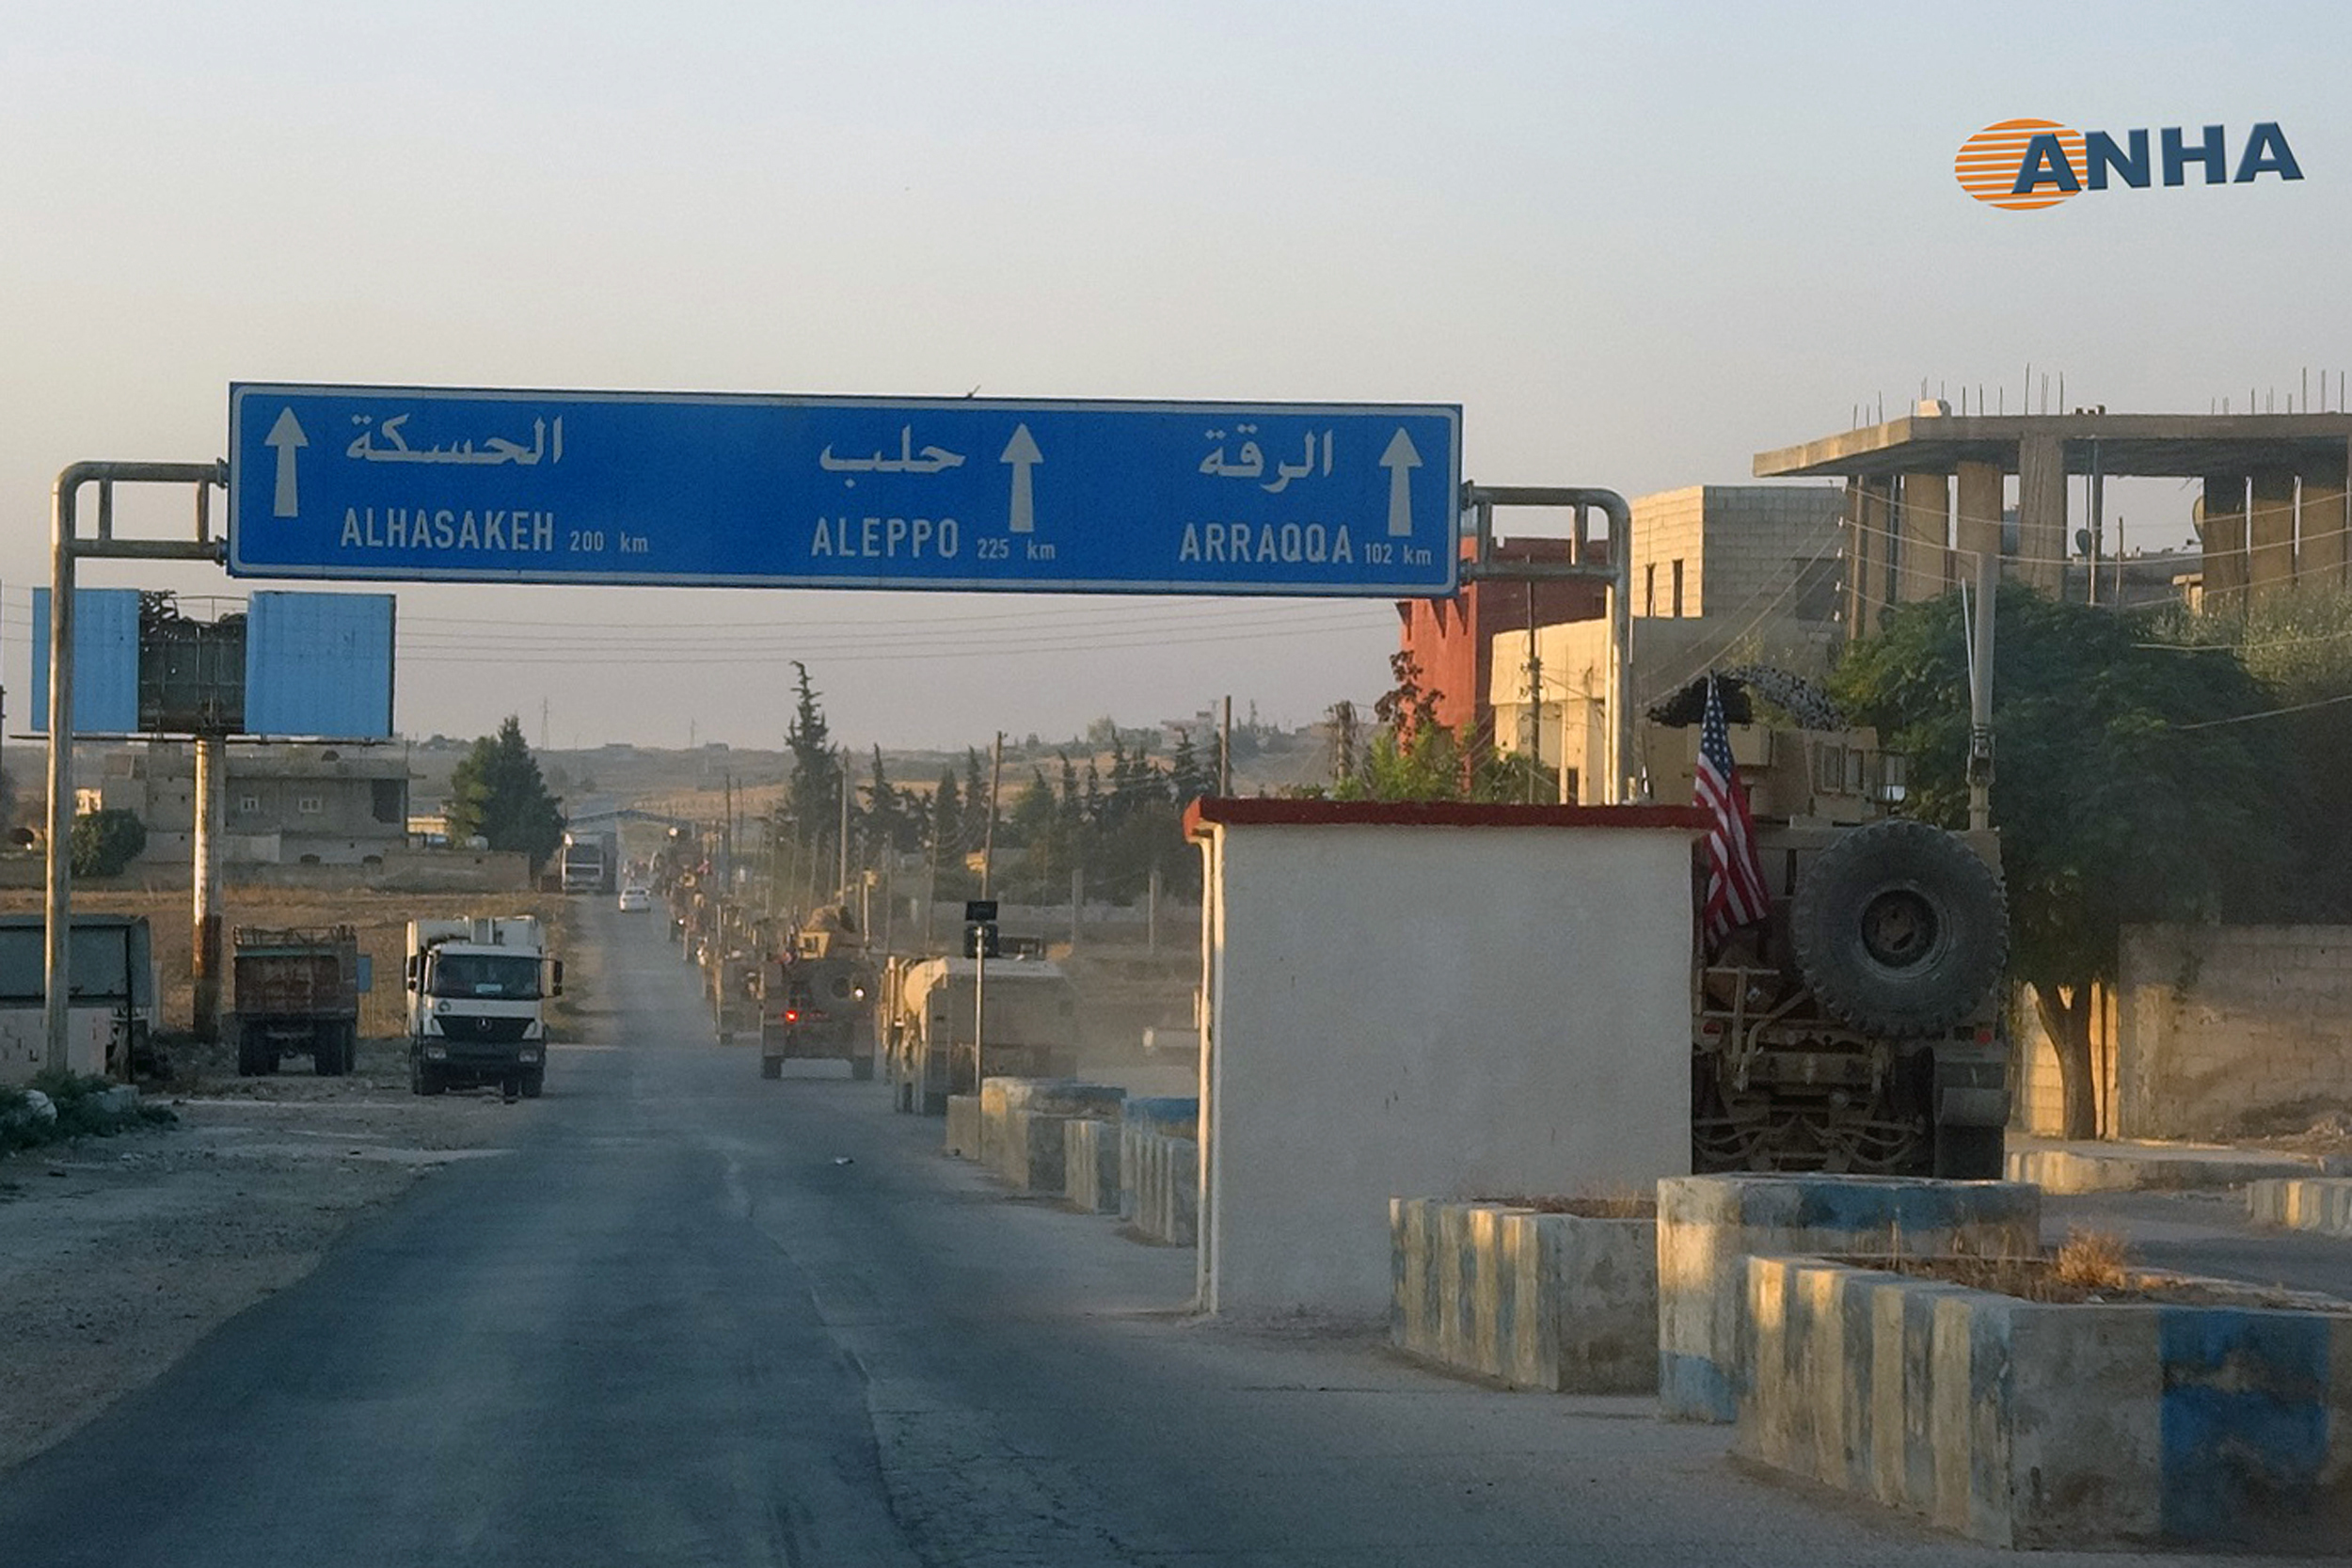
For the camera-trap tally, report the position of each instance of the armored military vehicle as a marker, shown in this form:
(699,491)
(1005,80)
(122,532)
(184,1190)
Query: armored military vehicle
(1859,1027)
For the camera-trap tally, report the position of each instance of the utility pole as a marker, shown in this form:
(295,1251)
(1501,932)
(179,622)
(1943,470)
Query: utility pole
(1531,732)
(1225,750)
(988,838)
(1980,694)
(210,782)
(842,766)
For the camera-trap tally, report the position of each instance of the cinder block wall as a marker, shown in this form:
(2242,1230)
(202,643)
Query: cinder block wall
(2221,1025)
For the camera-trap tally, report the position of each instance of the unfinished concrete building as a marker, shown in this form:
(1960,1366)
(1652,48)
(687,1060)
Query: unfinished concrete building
(1927,494)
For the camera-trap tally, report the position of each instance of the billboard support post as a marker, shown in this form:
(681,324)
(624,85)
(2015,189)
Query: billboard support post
(66,546)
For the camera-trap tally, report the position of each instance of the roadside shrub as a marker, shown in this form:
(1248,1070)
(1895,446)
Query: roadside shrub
(104,842)
(78,1108)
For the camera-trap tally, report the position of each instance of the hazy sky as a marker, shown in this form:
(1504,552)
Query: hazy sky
(1635,243)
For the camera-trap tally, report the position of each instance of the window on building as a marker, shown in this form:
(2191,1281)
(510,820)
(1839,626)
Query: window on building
(388,800)
(310,805)
(248,804)
(1677,590)
(1649,588)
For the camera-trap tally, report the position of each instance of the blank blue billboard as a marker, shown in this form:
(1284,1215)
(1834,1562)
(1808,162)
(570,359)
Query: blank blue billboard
(316,665)
(106,660)
(319,664)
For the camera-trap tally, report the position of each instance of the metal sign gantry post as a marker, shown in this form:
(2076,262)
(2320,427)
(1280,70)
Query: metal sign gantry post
(66,546)
(1616,573)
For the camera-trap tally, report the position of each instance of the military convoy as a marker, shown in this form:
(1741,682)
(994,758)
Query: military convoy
(1858,1028)
(816,997)
(935,1042)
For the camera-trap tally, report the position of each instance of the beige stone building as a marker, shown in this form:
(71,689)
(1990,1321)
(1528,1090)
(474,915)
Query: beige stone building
(1721,573)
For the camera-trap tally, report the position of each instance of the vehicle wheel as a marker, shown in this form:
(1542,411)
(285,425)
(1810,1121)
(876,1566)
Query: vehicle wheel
(424,1078)
(1900,929)
(534,1080)
(862,1070)
(253,1058)
(327,1050)
(772,1067)
(1969,1153)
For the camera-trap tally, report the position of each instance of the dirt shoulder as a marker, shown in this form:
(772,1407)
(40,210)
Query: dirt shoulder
(118,1254)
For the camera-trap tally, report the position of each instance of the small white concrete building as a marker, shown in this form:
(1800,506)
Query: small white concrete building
(1429,1000)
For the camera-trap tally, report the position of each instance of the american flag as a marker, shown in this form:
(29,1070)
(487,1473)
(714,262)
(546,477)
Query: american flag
(1735,895)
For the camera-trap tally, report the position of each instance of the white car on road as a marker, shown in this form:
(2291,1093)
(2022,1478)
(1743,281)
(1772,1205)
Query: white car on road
(635,900)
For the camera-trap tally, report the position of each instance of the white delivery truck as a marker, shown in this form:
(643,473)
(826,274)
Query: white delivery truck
(477,995)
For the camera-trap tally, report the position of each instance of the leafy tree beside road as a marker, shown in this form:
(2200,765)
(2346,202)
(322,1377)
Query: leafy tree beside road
(497,792)
(2127,788)
(106,842)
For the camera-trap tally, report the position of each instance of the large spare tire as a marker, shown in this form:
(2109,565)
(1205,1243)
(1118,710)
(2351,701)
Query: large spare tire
(1900,929)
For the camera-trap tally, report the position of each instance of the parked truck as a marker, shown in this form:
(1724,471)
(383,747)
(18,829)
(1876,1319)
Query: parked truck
(111,1019)
(928,1017)
(590,860)
(297,993)
(817,998)
(477,995)
(1859,1027)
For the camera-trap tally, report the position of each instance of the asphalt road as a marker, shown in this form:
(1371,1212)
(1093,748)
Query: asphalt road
(696,1318)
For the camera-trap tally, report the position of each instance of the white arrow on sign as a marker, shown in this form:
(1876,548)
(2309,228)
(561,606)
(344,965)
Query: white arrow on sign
(1400,459)
(1021,451)
(287,438)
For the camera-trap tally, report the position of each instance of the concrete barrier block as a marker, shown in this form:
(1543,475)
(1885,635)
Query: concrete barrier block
(2322,1204)
(1166,1183)
(1030,1149)
(1067,1097)
(963,1126)
(1170,1116)
(1708,1224)
(2114,1167)
(2091,1425)
(1090,1164)
(1558,1302)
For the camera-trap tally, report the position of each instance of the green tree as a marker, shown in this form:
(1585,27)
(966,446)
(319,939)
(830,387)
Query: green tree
(2125,789)
(106,842)
(1187,780)
(812,797)
(496,793)
(891,824)
(1414,757)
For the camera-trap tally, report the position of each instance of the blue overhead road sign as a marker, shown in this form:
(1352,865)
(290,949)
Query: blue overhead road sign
(401,484)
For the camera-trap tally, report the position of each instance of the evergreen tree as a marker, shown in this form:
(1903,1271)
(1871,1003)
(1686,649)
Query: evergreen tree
(946,827)
(1034,816)
(1186,780)
(889,826)
(812,795)
(497,792)
(978,806)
